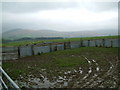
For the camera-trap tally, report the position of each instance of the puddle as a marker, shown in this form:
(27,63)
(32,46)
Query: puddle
(85,76)
(97,68)
(65,84)
(93,60)
(75,70)
(90,71)
(88,60)
(80,70)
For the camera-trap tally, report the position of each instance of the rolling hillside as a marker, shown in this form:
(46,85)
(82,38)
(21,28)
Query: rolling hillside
(20,33)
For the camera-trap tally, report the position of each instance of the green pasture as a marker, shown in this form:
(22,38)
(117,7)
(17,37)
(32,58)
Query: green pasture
(55,40)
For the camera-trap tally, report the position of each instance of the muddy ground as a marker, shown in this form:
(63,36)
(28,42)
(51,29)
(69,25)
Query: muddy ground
(85,67)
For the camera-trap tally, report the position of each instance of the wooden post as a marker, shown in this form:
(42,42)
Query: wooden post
(50,47)
(55,48)
(103,41)
(64,45)
(95,43)
(69,45)
(81,43)
(32,49)
(18,52)
(88,43)
(111,43)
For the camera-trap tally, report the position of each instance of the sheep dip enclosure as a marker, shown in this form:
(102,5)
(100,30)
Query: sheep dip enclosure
(72,64)
(9,53)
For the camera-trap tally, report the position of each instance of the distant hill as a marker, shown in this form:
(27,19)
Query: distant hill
(21,33)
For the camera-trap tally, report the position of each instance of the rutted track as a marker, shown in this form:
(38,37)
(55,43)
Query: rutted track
(95,77)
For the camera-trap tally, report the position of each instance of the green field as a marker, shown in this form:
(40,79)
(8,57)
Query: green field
(56,40)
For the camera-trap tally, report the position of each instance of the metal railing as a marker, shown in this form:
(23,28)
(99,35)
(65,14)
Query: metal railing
(9,79)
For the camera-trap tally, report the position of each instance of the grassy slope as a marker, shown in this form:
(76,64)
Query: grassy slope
(58,61)
(58,40)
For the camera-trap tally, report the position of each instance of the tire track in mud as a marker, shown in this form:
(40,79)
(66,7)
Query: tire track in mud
(95,75)
(96,82)
(109,73)
(89,73)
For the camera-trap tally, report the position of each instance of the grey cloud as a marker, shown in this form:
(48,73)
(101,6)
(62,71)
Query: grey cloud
(31,7)
(24,7)
(105,6)
(108,25)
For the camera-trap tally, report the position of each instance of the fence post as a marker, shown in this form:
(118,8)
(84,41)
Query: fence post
(55,49)
(81,43)
(95,43)
(103,42)
(111,43)
(69,44)
(64,45)
(50,47)
(18,52)
(88,43)
(32,49)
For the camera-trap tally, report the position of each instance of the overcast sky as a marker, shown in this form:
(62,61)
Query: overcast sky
(60,16)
